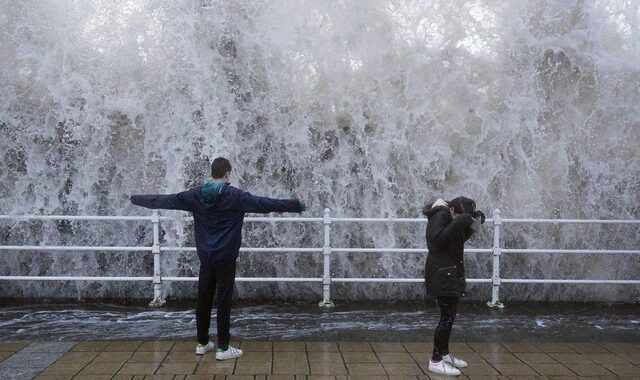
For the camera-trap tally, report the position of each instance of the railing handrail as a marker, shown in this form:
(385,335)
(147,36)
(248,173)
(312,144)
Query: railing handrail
(327,251)
(24,217)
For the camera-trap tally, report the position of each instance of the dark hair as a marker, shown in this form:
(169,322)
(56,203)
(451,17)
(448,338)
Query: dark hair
(463,205)
(219,167)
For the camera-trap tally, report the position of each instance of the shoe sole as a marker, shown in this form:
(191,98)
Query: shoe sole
(444,373)
(234,357)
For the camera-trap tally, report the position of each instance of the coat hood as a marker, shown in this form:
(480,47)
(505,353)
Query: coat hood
(211,191)
(430,209)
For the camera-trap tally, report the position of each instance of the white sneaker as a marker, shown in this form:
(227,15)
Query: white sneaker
(230,353)
(201,350)
(458,363)
(443,368)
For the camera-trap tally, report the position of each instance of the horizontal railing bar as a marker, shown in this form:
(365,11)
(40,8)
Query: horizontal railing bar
(551,281)
(416,280)
(572,221)
(73,278)
(310,219)
(74,217)
(380,220)
(251,219)
(252,279)
(389,220)
(398,250)
(313,279)
(69,248)
(581,251)
(248,249)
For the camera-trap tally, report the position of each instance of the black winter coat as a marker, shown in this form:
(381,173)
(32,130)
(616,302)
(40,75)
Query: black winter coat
(444,268)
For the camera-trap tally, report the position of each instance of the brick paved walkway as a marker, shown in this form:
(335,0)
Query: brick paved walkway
(288,360)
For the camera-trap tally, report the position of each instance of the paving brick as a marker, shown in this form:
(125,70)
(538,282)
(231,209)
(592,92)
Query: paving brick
(458,347)
(177,369)
(585,369)
(129,346)
(12,346)
(387,347)
(5,354)
(254,357)
(420,346)
(289,346)
(486,347)
(394,369)
(395,357)
(520,347)
(606,358)
(328,368)
(183,357)
(366,369)
(623,369)
(359,357)
(113,356)
(554,347)
(569,358)
(535,357)
(588,348)
(621,348)
(512,370)
(354,346)
(42,376)
(95,368)
(322,347)
(147,357)
(156,346)
(183,346)
(139,368)
(325,357)
(257,346)
(552,369)
(215,368)
(91,346)
(77,357)
(291,368)
(253,369)
(500,357)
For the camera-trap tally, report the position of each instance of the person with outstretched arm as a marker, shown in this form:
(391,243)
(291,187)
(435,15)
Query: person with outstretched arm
(450,225)
(218,212)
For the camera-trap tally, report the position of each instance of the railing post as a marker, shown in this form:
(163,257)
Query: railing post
(157,278)
(497,251)
(326,255)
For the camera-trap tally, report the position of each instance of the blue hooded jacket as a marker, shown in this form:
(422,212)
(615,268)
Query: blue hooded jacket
(218,212)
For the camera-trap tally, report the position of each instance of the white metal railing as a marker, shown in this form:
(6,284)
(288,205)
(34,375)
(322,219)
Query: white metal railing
(327,252)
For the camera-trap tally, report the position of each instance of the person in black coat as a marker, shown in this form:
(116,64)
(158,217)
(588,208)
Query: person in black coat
(450,225)
(218,213)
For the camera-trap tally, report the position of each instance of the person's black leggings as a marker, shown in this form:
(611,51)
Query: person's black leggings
(448,306)
(221,279)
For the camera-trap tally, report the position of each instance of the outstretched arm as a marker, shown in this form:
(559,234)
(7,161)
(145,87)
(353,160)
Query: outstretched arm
(263,205)
(180,201)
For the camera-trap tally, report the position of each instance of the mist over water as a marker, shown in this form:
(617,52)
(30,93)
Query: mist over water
(370,108)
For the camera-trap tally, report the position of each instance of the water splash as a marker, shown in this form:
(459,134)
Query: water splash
(371,110)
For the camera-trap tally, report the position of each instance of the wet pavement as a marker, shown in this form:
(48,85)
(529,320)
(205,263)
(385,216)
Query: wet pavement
(297,360)
(304,342)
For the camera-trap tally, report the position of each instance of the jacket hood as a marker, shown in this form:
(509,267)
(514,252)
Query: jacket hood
(430,209)
(211,191)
